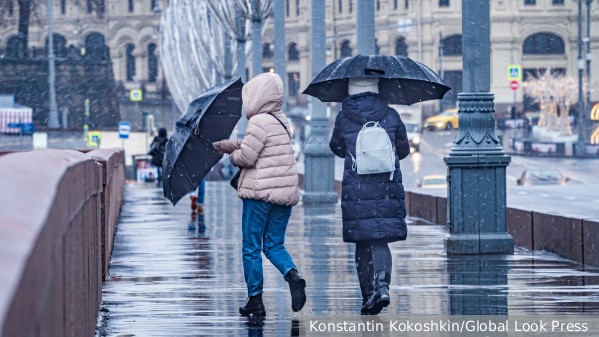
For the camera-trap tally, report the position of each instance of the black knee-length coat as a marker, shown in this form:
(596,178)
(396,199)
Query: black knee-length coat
(372,205)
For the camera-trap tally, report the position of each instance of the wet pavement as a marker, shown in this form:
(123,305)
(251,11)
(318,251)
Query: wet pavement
(174,274)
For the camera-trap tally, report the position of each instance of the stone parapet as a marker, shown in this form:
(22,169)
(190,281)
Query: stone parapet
(51,207)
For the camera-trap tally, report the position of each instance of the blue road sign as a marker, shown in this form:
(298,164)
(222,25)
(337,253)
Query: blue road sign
(26,128)
(124,130)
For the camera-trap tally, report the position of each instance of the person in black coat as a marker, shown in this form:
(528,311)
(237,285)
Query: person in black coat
(372,205)
(157,149)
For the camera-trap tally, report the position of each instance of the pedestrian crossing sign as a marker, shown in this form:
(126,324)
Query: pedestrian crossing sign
(135,95)
(514,72)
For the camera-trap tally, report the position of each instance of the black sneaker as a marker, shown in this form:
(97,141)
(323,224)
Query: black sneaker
(297,288)
(253,307)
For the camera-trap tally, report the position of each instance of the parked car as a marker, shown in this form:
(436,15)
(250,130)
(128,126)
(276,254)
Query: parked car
(413,135)
(446,120)
(542,177)
(433,181)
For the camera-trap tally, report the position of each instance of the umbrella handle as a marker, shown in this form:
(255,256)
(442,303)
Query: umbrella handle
(372,71)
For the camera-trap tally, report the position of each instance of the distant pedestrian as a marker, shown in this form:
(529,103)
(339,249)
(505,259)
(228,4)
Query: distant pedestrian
(157,149)
(372,205)
(268,186)
(197,200)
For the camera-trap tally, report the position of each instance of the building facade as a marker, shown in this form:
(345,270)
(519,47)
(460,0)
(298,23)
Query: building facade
(536,34)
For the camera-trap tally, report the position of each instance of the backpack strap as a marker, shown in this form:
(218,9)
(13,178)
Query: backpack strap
(270,113)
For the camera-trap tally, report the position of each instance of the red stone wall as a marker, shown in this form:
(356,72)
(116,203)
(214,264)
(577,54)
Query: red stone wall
(51,210)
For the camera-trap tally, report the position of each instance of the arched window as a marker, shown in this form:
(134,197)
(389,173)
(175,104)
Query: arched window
(130,61)
(95,48)
(152,63)
(60,46)
(12,47)
(346,49)
(543,44)
(452,45)
(292,52)
(401,48)
(267,51)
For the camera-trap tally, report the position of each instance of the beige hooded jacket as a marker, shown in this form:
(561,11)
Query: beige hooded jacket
(265,153)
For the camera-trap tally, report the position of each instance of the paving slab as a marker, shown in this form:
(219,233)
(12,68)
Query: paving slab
(177,274)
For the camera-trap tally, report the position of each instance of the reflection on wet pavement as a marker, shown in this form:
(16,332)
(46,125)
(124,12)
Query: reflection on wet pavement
(174,274)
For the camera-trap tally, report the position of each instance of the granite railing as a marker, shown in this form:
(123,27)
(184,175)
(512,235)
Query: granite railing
(58,211)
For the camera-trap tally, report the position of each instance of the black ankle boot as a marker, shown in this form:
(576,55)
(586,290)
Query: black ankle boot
(297,288)
(365,298)
(253,307)
(380,298)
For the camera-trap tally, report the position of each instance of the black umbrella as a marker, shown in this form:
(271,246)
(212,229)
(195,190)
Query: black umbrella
(401,79)
(189,153)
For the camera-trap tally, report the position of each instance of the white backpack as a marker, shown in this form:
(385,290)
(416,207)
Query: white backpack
(374,151)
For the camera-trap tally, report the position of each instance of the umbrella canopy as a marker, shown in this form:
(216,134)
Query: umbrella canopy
(189,153)
(401,79)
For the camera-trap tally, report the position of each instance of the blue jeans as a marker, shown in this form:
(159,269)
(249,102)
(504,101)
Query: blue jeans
(263,227)
(201,192)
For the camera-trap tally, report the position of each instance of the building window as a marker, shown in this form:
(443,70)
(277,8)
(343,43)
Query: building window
(293,81)
(401,48)
(395,4)
(90,6)
(453,79)
(287,8)
(297,7)
(346,49)
(292,52)
(378,5)
(558,2)
(63,7)
(131,8)
(267,51)
(12,47)
(130,61)
(407,4)
(95,48)
(452,45)
(60,45)
(340,6)
(530,2)
(443,3)
(543,44)
(377,48)
(351,6)
(154,4)
(152,63)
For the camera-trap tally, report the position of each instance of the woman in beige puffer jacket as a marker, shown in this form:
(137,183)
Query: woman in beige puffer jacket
(268,186)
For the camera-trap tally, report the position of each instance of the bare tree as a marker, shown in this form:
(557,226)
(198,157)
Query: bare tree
(192,50)
(238,18)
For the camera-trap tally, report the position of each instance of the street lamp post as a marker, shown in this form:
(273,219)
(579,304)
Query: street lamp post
(256,38)
(365,27)
(279,44)
(53,111)
(589,58)
(319,172)
(241,40)
(476,163)
(581,111)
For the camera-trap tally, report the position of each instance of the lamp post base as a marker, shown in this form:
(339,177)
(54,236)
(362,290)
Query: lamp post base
(476,244)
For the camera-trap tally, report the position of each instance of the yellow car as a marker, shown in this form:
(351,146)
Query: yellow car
(433,181)
(446,120)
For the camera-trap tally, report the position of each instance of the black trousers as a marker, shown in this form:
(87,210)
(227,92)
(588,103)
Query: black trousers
(371,257)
